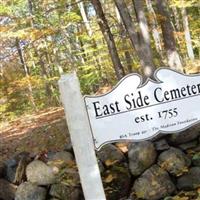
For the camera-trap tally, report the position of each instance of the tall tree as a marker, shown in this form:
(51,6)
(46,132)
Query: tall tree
(187,33)
(26,72)
(144,36)
(142,21)
(141,50)
(84,17)
(103,24)
(123,34)
(176,18)
(90,33)
(173,56)
(154,27)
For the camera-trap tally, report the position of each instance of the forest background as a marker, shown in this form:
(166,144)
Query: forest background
(101,40)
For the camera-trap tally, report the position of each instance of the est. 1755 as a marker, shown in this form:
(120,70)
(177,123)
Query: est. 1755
(164,114)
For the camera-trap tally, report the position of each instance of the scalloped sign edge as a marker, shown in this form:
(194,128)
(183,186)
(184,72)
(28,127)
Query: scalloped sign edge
(138,99)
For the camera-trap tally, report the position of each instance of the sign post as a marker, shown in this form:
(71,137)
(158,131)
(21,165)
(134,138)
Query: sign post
(81,137)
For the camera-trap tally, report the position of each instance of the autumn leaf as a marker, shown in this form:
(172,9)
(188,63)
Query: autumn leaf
(109,178)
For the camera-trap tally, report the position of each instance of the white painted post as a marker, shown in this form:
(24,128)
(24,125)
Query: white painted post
(81,137)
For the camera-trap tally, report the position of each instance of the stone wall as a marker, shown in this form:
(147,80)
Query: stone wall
(166,168)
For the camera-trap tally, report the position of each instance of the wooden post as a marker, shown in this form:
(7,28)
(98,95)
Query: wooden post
(81,137)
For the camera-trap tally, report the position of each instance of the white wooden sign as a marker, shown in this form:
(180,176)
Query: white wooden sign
(135,111)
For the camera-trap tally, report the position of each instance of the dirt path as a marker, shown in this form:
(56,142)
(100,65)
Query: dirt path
(45,130)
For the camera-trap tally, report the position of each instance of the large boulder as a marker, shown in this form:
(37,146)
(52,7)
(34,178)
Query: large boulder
(2,169)
(40,173)
(68,146)
(7,190)
(63,156)
(15,168)
(60,159)
(53,198)
(10,169)
(101,166)
(117,181)
(196,159)
(161,145)
(69,177)
(153,184)
(141,156)
(185,136)
(62,192)
(188,145)
(109,154)
(191,180)
(30,191)
(174,161)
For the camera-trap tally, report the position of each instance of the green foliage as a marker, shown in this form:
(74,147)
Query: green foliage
(54,40)
(184,3)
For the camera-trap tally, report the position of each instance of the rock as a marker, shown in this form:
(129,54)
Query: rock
(158,137)
(184,195)
(196,149)
(40,173)
(30,191)
(141,156)
(168,198)
(190,180)
(153,184)
(185,136)
(60,156)
(161,145)
(69,177)
(109,155)
(63,192)
(2,169)
(117,181)
(20,175)
(68,146)
(7,190)
(10,169)
(101,167)
(196,159)
(60,159)
(174,161)
(188,145)
(15,168)
(122,146)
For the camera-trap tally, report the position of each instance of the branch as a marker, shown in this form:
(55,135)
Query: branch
(61,7)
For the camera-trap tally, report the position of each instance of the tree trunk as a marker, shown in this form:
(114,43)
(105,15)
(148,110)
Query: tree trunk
(187,34)
(146,62)
(90,32)
(31,12)
(26,72)
(145,42)
(84,17)
(142,21)
(154,28)
(103,24)
(176,18)
(123,34)
(173,57)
